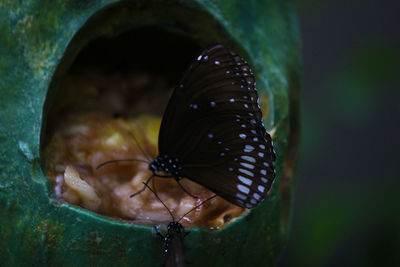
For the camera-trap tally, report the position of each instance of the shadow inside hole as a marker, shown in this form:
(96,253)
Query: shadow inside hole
(148,49)
(127,75)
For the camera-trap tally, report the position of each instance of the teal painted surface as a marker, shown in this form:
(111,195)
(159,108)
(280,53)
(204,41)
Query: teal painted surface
(40,40)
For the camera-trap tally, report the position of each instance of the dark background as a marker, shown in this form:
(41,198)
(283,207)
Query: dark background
(346,207)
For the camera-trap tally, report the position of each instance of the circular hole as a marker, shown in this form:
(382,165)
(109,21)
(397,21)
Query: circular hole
(109,106)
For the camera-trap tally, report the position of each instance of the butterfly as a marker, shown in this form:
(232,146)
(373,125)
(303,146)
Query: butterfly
(212,131)
(174,251)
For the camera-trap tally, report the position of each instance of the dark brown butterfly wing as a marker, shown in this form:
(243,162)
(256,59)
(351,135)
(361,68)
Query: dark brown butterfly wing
(213,125)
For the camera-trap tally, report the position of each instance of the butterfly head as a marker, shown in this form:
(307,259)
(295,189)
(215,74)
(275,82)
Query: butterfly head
(166,165)
(175,227)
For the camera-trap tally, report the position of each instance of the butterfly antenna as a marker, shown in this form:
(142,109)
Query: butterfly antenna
(197,207)
(154,185)
(173,219)
(119,160)
(138,144)
(144,187)
(184,190)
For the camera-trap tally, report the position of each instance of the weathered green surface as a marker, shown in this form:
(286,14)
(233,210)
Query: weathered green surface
(35,35)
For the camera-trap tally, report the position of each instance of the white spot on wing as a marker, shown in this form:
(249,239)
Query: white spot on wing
(245,180)
(249,173)
(248,148)
(263,172)
(243,188)
(249,159)
(261,188)
(242,135)
(241,196)
(248,205)
(247,165)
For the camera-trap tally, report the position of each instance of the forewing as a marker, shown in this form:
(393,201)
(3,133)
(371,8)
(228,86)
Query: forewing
(213,124)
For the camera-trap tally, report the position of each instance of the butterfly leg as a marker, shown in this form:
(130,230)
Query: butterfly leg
(158,232)
(144,187)
(184,189)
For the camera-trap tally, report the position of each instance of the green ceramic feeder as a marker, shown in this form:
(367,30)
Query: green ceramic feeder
(43,40)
